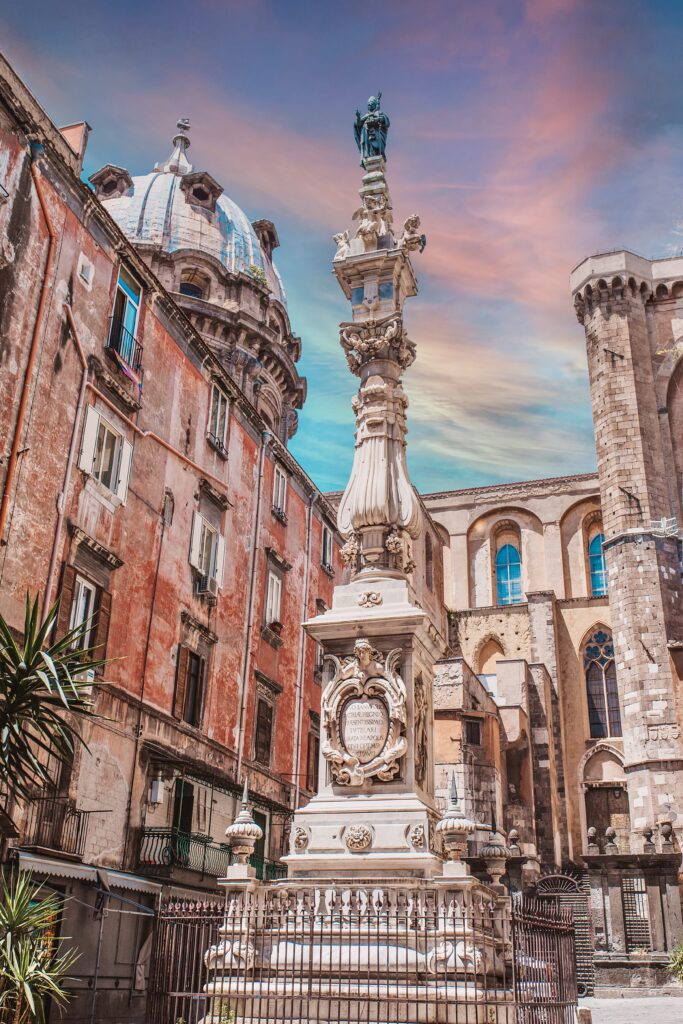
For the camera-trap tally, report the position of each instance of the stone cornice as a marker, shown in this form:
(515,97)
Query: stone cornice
(526,487)
(103,554)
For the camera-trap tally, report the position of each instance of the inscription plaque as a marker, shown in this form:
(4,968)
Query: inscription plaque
(364,728)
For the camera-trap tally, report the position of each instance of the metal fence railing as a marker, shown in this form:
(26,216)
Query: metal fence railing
(163,848)
(54,823)
(380,952)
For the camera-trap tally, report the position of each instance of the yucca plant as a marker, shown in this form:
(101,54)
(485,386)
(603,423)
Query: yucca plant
(41,699)
(32,967)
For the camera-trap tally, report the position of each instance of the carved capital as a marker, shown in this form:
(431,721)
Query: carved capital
(377,339)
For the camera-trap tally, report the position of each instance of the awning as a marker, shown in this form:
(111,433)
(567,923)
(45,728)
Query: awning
(52,868)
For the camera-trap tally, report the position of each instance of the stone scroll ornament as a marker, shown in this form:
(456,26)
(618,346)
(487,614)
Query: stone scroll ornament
(364,717)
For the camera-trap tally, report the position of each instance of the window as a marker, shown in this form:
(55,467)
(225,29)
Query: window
(508,575)
(189,689)
(327,551)
(273,598)
(105,454)
(83,610)
(124,320)
(280,493)
(80,599)
(429,562)
(192,290)
(472,731)
(598,571)
(264,732)
(604,714)
(218,418)
(207,549)
(312,758)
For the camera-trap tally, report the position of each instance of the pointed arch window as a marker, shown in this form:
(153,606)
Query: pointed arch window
(508,575)
(604,714)
(596,561)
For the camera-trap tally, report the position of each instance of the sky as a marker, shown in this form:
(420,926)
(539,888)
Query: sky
(527,134)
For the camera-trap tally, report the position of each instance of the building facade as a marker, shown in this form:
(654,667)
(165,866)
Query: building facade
(147,484)
(148,390)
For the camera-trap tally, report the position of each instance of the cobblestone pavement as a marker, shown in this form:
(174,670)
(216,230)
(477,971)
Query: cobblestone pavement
(652,1010)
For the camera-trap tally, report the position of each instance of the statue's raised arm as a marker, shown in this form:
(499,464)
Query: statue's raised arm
(371,130)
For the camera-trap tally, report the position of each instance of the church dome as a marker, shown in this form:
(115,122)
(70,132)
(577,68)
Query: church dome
(176,208)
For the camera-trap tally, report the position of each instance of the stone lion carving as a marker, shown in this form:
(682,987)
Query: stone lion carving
(364,675)
(358,837)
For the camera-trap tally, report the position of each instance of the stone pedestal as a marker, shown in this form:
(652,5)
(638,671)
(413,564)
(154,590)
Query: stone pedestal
(374,814)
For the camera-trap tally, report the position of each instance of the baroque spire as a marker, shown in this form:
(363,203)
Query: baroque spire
(379,514)
(177,161)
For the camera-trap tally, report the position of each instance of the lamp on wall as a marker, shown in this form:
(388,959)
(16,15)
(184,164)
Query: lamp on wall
(156,793)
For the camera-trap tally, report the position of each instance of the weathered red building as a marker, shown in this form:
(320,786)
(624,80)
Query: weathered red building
(148,387)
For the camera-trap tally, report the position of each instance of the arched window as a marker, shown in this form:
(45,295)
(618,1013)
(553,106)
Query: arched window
(193,290)
(601,685)
(508,575)
(596,561)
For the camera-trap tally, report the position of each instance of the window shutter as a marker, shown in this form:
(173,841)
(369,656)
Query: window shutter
(181,681)
(124,470)
(277,598)
(220,559)
(66,599)
(102,624)
(195,540)
(89,439)
(200,691)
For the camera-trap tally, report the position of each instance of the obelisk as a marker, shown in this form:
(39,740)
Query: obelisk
(374,814)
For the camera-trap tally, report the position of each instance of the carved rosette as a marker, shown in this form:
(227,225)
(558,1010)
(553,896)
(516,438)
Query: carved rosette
(364,717)
(358,838)
(300,839)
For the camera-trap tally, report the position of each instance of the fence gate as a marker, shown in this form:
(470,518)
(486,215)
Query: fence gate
(183,931)
(543,962)
(574,893)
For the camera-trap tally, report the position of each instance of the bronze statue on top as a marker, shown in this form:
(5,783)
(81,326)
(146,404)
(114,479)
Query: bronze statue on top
(371,131)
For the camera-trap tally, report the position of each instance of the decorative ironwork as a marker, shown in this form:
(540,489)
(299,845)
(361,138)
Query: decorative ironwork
(54,823)
(636,914)
(573,893)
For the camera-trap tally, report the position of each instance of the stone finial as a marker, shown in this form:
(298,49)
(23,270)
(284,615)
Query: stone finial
(666,832)
(648,842)
(495,853)
(611,845)
(513,840)
(593,845)
(454,828)
(243,834)
(177,161)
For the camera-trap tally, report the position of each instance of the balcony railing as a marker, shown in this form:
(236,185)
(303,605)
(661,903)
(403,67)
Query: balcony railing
(164,848)
(124,344)
(55,824)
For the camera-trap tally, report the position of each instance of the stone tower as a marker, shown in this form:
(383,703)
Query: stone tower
(376,765)
(632,312)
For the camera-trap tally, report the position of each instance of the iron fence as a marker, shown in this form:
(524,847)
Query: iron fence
(126,346)
(427,954)
(55,824)
(544,962)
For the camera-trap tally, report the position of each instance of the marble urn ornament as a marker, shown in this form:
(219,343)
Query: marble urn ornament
(455,829)
(242,837)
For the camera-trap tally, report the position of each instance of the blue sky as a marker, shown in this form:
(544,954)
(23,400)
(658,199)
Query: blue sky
(526,133)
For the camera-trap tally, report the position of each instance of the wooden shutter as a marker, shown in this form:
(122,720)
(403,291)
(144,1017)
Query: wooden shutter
(182,666)
(102,625)
(220,558)
(89,439)
(195,540)
(124,470)
(66,600)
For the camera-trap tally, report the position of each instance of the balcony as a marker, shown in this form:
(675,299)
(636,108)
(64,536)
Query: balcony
(162,849)
(123,348)
(55,824)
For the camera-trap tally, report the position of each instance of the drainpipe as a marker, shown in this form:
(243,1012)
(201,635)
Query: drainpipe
(301,668)
(36,151)
(265,437)
(62,496)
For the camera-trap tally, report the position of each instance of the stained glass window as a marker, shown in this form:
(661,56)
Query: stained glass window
(596,559)
(604,714)
(508,575)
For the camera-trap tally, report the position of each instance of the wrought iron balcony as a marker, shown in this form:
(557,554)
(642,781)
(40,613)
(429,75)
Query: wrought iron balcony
(162,849)
(55,824)
(124,344)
